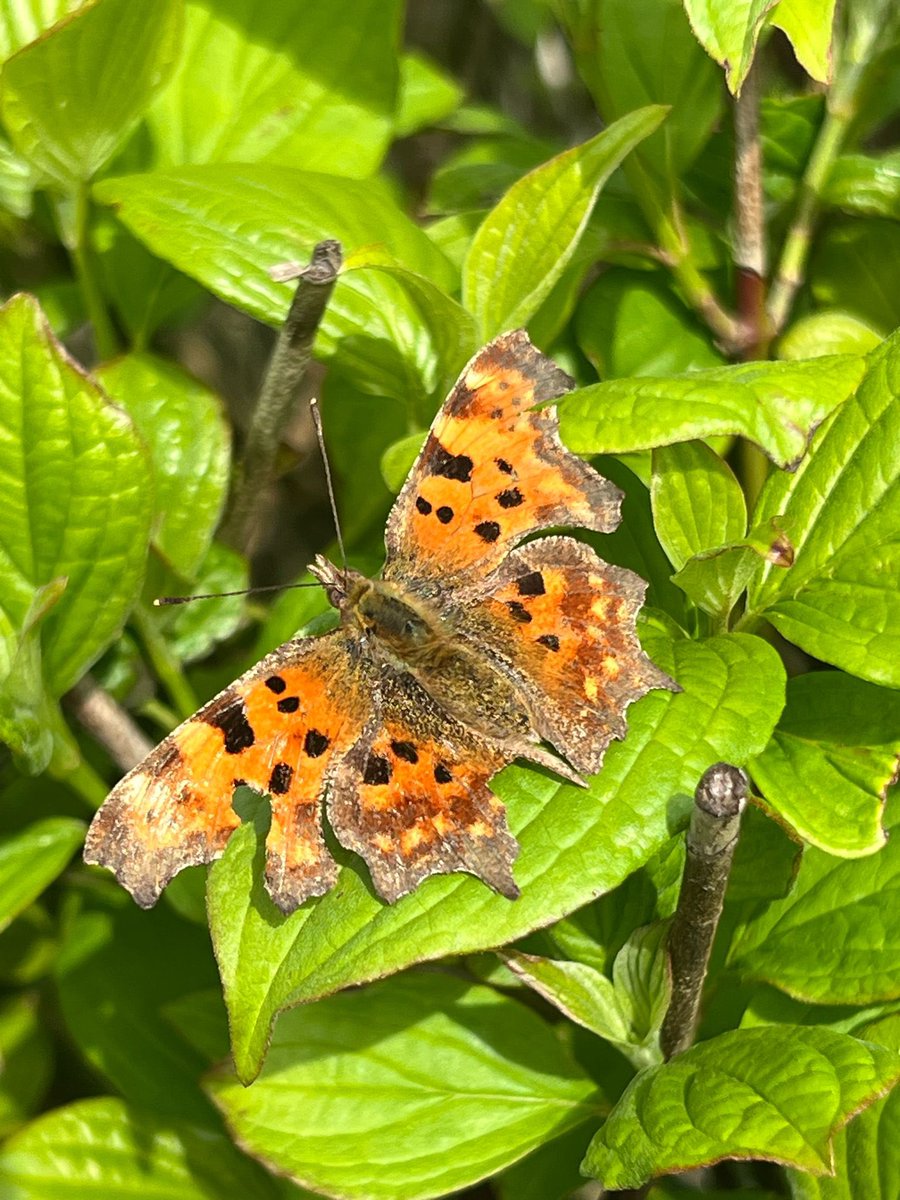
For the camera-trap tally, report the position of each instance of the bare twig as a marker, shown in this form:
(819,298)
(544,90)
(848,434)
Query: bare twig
(749,231)
(108,723)
(289,363)
(711,840)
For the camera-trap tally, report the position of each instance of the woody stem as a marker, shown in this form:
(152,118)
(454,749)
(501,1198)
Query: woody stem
(287,367)
(711,840)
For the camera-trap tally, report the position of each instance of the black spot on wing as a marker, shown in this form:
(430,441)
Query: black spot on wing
(280,779)
(450,466)
(488,531)
(423,506)
(406,751)
(276,684)
(504,466)
(511,498)
(377,770)
(518,611)
(230,716)
(531,584)
(289,704)
(444,514)
(550,640)
(442,773)
(315,743)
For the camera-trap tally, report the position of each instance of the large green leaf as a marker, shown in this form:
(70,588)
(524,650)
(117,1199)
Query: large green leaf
(525,243)
(413,1088)
(636,52)
(831,760)
(182,423)
(70,98)
(394,326)
(101,1149)
(305,84)
(575,845)
(697,501)
(839,601)
(779,1093)
(116,972)
(867,1152)
(32,859)
(77,500)
(728,31)
(834,939)
(628,325)
(775,404)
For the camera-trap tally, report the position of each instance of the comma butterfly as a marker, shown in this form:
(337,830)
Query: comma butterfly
(472,649)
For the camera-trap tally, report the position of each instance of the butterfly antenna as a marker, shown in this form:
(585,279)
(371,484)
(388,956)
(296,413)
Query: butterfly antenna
(317,421)
(166,601)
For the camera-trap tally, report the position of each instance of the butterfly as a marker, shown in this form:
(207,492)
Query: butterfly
(473,648)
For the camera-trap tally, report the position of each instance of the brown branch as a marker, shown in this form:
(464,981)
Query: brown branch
(749,215)
(711,840)
(108,723)
(287,367)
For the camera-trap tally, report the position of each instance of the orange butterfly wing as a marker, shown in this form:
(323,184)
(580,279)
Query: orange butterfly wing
(492,471)
(280,729)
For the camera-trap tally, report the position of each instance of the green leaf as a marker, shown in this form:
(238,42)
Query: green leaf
(101,1149)
(636,52)
(839,601)
(190,446)
(867,1152)
(287,83)
(26,1048)
(852,269)
(77,500)
(807,24)
(117,971)
(728,31)
(427,94)
(32,859)
(412,344)
(697,501)
(412,1088)
(775,404)
(399,458)
(23,20)
(573,847)
(831,760)
(779,1094)
(833,939)
(394,330)
(627,325)
(828,332)
(524,244)
(626,1010)
(69,99)
(866,184)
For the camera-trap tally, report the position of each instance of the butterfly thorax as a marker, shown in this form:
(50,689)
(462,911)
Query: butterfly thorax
(406,632)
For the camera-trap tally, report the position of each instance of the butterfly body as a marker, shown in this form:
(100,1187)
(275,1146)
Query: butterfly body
(469,651)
